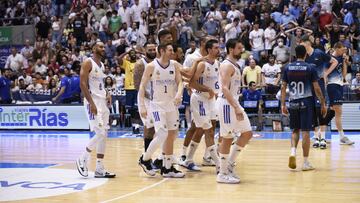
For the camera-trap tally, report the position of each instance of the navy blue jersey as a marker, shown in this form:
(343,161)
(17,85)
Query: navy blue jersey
(321,61)
(5,86)
(75,84)
(336,77)
(66,82)
(300,76)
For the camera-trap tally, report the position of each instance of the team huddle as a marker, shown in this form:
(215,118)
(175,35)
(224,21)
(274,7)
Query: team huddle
(214,89)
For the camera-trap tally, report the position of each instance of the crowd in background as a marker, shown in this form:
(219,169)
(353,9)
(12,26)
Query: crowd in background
(269,30)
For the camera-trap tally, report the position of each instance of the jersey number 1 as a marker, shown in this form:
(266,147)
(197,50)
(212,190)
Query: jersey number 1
(165,89)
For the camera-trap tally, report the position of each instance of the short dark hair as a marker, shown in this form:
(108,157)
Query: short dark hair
(163,46)
(210,43)
(338,45)
(231,44)
(148,43)
(251,83)
(300,51)
(162,33)
(306,38)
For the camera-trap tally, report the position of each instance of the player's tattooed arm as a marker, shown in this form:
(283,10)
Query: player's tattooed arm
(138,73)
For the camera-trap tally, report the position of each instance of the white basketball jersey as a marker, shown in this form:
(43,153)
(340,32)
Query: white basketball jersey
(210,77)
(147,88)
(96,80)
(235,80)
(163,86)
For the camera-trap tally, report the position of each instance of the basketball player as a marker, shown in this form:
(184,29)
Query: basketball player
(165,80)
(335,89)
(202,103)
(96,101)
(232,116)
(150,55)
(301,77)
(191,61)
(321,60)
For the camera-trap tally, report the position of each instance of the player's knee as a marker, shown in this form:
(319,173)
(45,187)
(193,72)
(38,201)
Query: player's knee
(162,134)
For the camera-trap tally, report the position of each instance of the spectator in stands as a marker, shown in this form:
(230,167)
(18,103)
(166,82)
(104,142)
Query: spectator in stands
(211,26)
(79,25)
(115,22)
(104,27)
(65,93)
(27,50)
(270,37)
(21,85)
(25,77)
(252,73)
(252,94)
(125,13)
(15,61)
(56,27)
(281,52)
(75,82)
(233,13)
(232,30)
(110,51)
(119,78)
(43,28)
(5,87)
(35,85)
(52,86)
(40,67)
(256,37)
(109,84)
(271,76)
(65,62)
(355,86)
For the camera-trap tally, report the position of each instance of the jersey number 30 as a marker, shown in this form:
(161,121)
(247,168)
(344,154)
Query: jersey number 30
(297,88)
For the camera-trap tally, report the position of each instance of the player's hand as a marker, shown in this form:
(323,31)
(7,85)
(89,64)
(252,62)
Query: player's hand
(284,110)
(143,112)
(323,110)
(93,109)
(211,94)
(177,100)
(54,99)
(239,114)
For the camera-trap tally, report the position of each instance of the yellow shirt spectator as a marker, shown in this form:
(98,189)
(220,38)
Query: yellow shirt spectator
(129,74)
(252,73)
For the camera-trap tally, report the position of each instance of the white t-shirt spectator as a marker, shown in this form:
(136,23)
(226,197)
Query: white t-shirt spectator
(233,14)
(269,34)
(126,15)
(232,32)
(119,81)
(137,12)
(27,79)
(42,69)
(15,62)
(270,72)
(104,24)
(281,53)
(327,4)
(215,14)
(257,38)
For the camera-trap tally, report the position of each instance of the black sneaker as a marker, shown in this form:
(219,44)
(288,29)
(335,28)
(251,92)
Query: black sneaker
(104,174)
(158,164)
(316,143)
(146,166)
(171,173)
(322,144)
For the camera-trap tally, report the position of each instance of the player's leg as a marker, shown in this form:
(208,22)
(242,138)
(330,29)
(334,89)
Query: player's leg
(306,149)
(188,137)
(294,143)
(295,124)
(210,145)
(338,121)
(306,109)
(189,162)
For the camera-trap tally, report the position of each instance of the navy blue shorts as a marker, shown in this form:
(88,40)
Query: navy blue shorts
(302,114)
(186,98)
(335,93)
(131,98)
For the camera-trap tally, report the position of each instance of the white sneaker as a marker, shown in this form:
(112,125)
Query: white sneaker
(228,179)
(81,165)
(181,161)
(307,166)
(346,141)
(232,172)
(208,162)
(103,174)
(322,144)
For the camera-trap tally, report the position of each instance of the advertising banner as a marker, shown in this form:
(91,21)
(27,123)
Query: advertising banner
(43,117)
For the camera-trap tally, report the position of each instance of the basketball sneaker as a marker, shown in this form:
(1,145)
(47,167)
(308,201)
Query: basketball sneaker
(102,173)
(190,165)
(208,162)
(182,160)
(171,173)
(307,166)
(316,143)
(292,162)
(322,144)
(228,179)
(81,164)
(232,172)
(346,141)
(158,164)
(146,166)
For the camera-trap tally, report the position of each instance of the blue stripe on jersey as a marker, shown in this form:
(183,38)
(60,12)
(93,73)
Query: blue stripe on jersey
(226,111)
(151,90)
(201,109)
(156,116)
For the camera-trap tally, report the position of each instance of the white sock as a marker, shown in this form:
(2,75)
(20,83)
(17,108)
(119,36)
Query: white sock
(192,148)
(306,159)
(86,155)
(341,133)
(168,161)
(234,153)
(161,156)
(316,133)
(99,164)
(224,163)
(206,153)
(184,150)
(293,151)
(213,154)
(322,135)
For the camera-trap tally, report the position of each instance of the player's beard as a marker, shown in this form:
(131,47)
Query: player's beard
(151,56)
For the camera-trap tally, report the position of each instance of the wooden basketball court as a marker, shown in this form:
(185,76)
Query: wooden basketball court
(262,167)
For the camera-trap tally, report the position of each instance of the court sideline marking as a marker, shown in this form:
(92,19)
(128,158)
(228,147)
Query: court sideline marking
(137,191)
